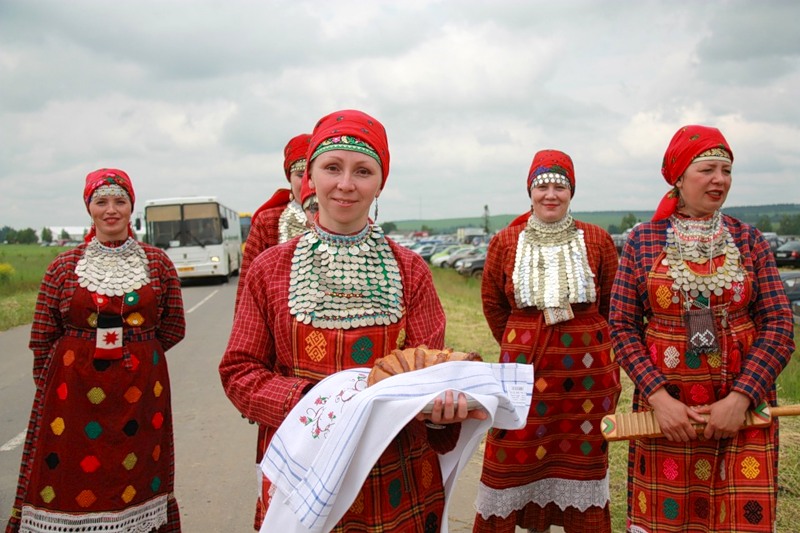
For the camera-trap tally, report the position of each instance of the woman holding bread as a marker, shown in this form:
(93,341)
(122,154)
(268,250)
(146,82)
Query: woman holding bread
(545,293)
(342,296)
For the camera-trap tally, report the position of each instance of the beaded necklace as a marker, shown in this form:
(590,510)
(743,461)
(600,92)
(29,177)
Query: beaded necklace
(551,267)
(345,281)
(699,241)
(292,222)
(113,271)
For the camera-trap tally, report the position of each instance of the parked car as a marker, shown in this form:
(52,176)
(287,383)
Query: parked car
(791,284)
(450,262)
(472,267)
(478,251)
(439,258)
(427,250)
(788,254)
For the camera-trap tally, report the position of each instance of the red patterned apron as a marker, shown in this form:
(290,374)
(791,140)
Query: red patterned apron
(704,485)
(101,440)
(404,491)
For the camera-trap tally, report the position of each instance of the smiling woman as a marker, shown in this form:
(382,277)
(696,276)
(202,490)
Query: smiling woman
(106,313)
(341,296)
(545,293)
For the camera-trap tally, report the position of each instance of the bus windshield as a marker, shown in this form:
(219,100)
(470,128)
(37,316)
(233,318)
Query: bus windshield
(170,226)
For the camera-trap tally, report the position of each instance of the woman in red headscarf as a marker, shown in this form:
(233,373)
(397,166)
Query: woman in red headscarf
(702,326)
(545,292)
(278,220)
(340,296)
(281,217)
(99,452)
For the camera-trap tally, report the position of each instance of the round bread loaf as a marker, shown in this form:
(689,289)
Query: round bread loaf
(399,361)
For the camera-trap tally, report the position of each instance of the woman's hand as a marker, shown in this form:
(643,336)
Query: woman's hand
(726,416)
(675,418)
(449,411)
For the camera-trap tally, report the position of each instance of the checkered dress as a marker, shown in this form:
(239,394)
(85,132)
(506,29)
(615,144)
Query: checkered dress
(263,234)
(701,486)
(546,473)
(271,359)
(100,437)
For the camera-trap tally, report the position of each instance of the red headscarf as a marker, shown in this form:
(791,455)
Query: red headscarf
(553,161)
(356,124)
(106,176)
(295,150)
(687,143)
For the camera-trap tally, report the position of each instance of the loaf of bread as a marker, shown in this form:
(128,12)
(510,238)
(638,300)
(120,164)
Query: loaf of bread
(399,361)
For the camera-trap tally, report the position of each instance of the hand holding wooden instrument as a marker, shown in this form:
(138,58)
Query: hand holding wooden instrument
(631,426)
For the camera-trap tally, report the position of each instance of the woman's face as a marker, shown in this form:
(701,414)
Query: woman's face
(296,183)
(345,182)
(704,187)
(111,216)
(550,201)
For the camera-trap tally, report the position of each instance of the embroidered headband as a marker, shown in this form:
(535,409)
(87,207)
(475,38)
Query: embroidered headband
(109,190)
(346,142)
(714,154)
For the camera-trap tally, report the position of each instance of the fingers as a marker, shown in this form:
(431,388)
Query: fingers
(452,409)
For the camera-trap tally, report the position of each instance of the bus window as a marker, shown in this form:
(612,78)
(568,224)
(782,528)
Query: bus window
(201,236)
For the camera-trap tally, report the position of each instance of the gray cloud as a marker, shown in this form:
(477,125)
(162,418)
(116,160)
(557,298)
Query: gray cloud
(200,97)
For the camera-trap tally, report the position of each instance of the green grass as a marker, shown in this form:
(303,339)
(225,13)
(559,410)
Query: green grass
(18,291)
(467,331)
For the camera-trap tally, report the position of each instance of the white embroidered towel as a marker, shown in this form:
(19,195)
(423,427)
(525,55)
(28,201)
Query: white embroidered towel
(324,450)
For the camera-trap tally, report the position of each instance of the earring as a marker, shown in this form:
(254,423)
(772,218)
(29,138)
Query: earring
(375,218)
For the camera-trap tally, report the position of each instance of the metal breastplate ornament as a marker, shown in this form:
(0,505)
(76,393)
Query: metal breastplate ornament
(699,242)
(551,267)
(292,222)
(345,281)
(113,271)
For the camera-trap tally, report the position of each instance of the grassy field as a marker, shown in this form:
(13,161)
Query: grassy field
(467,331)
(19,288)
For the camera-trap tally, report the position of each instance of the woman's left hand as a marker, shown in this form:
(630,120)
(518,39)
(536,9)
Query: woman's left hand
(726,416)
(450,411)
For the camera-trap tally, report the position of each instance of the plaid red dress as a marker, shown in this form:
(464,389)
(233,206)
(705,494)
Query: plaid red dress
(263,234)
(553,472)
(100,440)
(703,485)
(271,359)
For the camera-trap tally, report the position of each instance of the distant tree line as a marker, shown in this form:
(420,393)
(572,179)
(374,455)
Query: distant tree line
(785,224)
(28,235)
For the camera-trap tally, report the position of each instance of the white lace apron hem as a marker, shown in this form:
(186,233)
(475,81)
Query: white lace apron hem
(580,494)
(141,518)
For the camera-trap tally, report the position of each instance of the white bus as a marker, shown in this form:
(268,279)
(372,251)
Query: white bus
(200,235)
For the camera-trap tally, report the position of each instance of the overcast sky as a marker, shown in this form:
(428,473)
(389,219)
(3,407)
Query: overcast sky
(200,97)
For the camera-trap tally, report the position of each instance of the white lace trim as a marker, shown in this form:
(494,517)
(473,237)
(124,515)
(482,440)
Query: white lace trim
(563,492)
(142,518)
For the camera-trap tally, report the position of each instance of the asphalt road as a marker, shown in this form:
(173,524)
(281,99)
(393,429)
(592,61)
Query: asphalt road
(215,447)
